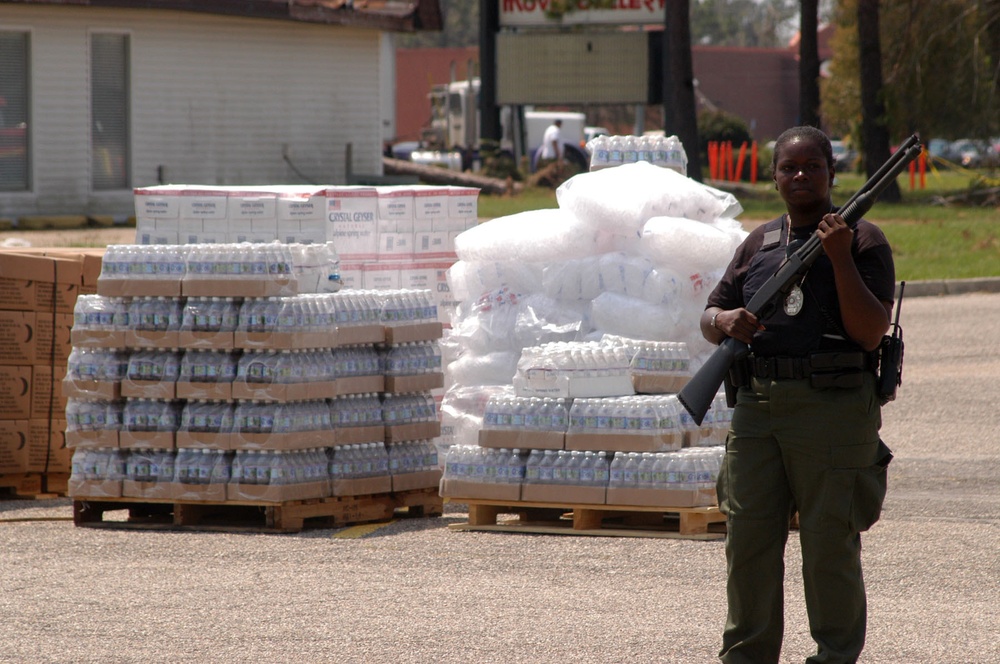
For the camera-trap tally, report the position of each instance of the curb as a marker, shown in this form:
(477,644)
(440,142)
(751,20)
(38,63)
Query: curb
(950,286)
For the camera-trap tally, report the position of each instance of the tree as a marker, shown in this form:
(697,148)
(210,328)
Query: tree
(461,28)
(679,112)
(742,22)
(874,133)
(939,75)
(809,63)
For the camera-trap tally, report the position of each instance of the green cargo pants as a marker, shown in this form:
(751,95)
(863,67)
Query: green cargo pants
(793,448)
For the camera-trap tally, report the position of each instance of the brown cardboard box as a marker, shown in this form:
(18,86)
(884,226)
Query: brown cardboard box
(92,439)
(78,488)
(417,332)
(47,447)
(148,389)
(15,447)
(459,489)
(360,385)
(97,338)
(415,431)
(19,337)
(203,440)
(269,287)
(283,392)
(362,487)
(54,341)
(426,479)
(277,494)
(90,389)
(61,460)
(90,259)
(212,493)
(15,392)
(416,383)
(205,340)
(146,439)
(33,282)
(562,494)
(138,287)
(47,400)
(284,340)
(661,497)
(355,335)
(150,490)
(299,440)
(64,290)
(624,443)
(659,383)
(152,339)
(354,435)
(527,440)
(204,391)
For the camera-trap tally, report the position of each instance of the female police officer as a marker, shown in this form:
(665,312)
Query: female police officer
(805,426)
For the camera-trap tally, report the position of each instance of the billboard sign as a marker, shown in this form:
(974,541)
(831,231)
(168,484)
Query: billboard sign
(532,13)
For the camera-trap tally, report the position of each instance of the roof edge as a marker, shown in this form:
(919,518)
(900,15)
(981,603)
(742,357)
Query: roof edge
(387,15)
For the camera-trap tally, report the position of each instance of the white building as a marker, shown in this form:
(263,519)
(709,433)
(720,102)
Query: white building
(97,98)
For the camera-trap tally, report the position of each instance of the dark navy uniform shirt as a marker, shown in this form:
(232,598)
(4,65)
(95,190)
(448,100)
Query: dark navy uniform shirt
(817,326)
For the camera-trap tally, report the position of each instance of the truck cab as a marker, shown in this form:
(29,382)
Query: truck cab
(455,127)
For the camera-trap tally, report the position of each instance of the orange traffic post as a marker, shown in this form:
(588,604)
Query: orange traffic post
(739,162)
(922,163)
(713,160)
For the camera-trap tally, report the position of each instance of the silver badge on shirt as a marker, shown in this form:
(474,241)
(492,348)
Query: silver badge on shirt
(794,301)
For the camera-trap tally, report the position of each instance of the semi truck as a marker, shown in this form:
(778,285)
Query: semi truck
(454,129)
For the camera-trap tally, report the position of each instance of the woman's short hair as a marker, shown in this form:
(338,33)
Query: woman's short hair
(806,133)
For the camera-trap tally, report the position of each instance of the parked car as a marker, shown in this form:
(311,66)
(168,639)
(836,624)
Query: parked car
(970,153)
(844,156)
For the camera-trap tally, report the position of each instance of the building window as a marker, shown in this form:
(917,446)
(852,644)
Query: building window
(109,111)
(14,153)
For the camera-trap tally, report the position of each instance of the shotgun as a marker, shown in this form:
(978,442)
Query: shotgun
(697,395)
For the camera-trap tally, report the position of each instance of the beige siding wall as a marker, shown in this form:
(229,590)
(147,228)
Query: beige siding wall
(215,100)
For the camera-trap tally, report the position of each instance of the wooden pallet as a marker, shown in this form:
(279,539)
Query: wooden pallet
(23,486)
(701,523)
(56,483)
(246,516)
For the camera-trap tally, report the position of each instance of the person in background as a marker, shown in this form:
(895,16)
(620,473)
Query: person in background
(552,148)
(805,428)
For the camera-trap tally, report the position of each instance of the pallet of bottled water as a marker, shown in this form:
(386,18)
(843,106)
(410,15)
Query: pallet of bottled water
(207,487)
(555,491)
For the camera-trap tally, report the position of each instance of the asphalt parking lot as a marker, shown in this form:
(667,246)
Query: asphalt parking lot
(416,591)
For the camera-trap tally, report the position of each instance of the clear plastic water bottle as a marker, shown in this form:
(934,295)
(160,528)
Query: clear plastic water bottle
(531,467)
(630,476)
(646,468)
(546,472)
(616,477)
(601,469)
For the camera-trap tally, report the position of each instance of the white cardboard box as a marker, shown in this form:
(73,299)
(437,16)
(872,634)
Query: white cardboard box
(433,244)
(351,215)
(395,209)
(152,203)
(463,206)
(430,205)
(381,276)
(203,204)
(395,245)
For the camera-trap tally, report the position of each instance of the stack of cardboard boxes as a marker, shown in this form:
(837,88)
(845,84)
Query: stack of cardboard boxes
(38,291)
(387,237)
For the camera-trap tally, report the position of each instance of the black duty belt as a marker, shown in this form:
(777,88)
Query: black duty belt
(804,367)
